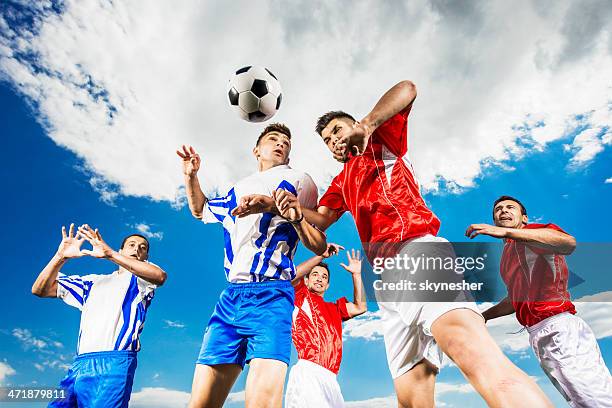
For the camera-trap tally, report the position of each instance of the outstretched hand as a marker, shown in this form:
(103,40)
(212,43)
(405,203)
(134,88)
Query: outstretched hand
(191,160)
(354,262)
(254,204)
(100,249)
(70,247)
(485,229)
(332,249)
(353,141)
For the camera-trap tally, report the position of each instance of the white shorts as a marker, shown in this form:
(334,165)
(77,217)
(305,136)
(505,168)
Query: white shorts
(407,325)
(312,386)
(569,355)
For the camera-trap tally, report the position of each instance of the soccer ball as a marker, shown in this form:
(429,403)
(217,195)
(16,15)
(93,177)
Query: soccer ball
(255,93)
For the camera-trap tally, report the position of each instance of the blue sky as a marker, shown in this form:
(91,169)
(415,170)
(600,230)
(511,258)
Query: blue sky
(94,103)
(47,188)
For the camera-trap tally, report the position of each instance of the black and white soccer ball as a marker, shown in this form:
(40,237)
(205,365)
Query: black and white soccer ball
(255,93)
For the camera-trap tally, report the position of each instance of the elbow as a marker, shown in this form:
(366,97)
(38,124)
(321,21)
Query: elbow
(570,246)
(410,88)
(363,307)
(161,278)
(197,214)
(37,291)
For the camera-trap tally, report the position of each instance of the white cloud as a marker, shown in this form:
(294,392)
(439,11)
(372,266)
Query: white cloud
(159,397)
(237,396)
(123,84)
(174,324)
(368,326)
(5,371)
(28,341)
(442,388)
(145,230)
(380,402)
(608,180)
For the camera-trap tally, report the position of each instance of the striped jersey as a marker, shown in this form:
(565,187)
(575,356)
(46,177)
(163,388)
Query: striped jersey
(260,247)
(113,309)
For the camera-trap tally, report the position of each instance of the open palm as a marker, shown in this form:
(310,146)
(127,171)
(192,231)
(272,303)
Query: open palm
(354,262)
(70,247)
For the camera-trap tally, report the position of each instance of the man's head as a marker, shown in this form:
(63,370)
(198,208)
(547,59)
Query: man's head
(135,246)
(509,212)
(317,280)
(332,126)
(274,144)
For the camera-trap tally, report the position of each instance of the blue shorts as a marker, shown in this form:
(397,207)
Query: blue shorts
(96,380)
(251,320)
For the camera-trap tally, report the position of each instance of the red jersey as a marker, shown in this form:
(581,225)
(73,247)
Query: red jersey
(536,279)
(380,189)
(317,328)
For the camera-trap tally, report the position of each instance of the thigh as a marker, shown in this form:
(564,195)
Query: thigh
(222,342)
(415,388)
(462,335)
(212,384)
(67,387)
(264,386)
(106,381)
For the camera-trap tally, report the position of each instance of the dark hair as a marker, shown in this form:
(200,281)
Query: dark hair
(274,127)
(322,265)
(135,235)
(328,117)
(510,198)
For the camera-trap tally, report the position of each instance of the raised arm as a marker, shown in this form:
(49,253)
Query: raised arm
(70,247)
(397,99)
(546,238)
(359,304)
(290,209)
(100,249)
(305,267)
(503,308)
(191,164)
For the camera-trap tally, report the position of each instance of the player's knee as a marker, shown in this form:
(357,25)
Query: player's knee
(466,354)
(414,401)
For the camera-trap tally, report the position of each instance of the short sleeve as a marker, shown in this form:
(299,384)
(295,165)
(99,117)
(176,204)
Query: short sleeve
(393,134)
(145,287)
(74,289)
(333,197)
(537,249)
(341,305)
(216,209)
(308,193)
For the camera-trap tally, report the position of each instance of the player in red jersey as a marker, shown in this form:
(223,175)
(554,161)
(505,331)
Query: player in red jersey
(378,187)
(534,269)
(317,332)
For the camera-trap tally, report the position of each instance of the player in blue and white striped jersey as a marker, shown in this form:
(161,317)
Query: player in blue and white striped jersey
(113,310)
(252,319)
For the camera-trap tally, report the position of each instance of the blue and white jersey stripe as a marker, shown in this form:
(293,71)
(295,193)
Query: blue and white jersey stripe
(113,309)
(260,247)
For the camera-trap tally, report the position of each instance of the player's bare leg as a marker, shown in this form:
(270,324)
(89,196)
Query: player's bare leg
(462,335)
(415,389)
(212,384)
(265,382)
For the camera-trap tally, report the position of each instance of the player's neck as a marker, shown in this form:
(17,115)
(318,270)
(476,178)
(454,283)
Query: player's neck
(263,165)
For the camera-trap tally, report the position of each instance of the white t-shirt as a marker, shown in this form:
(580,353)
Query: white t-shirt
(113,309)
(260,247)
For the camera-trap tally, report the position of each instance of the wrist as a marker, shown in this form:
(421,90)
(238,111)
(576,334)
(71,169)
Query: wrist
(59,257)
(299,220)
(109,253)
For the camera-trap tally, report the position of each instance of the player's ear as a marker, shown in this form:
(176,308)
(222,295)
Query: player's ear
(256,152)
(525,219)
